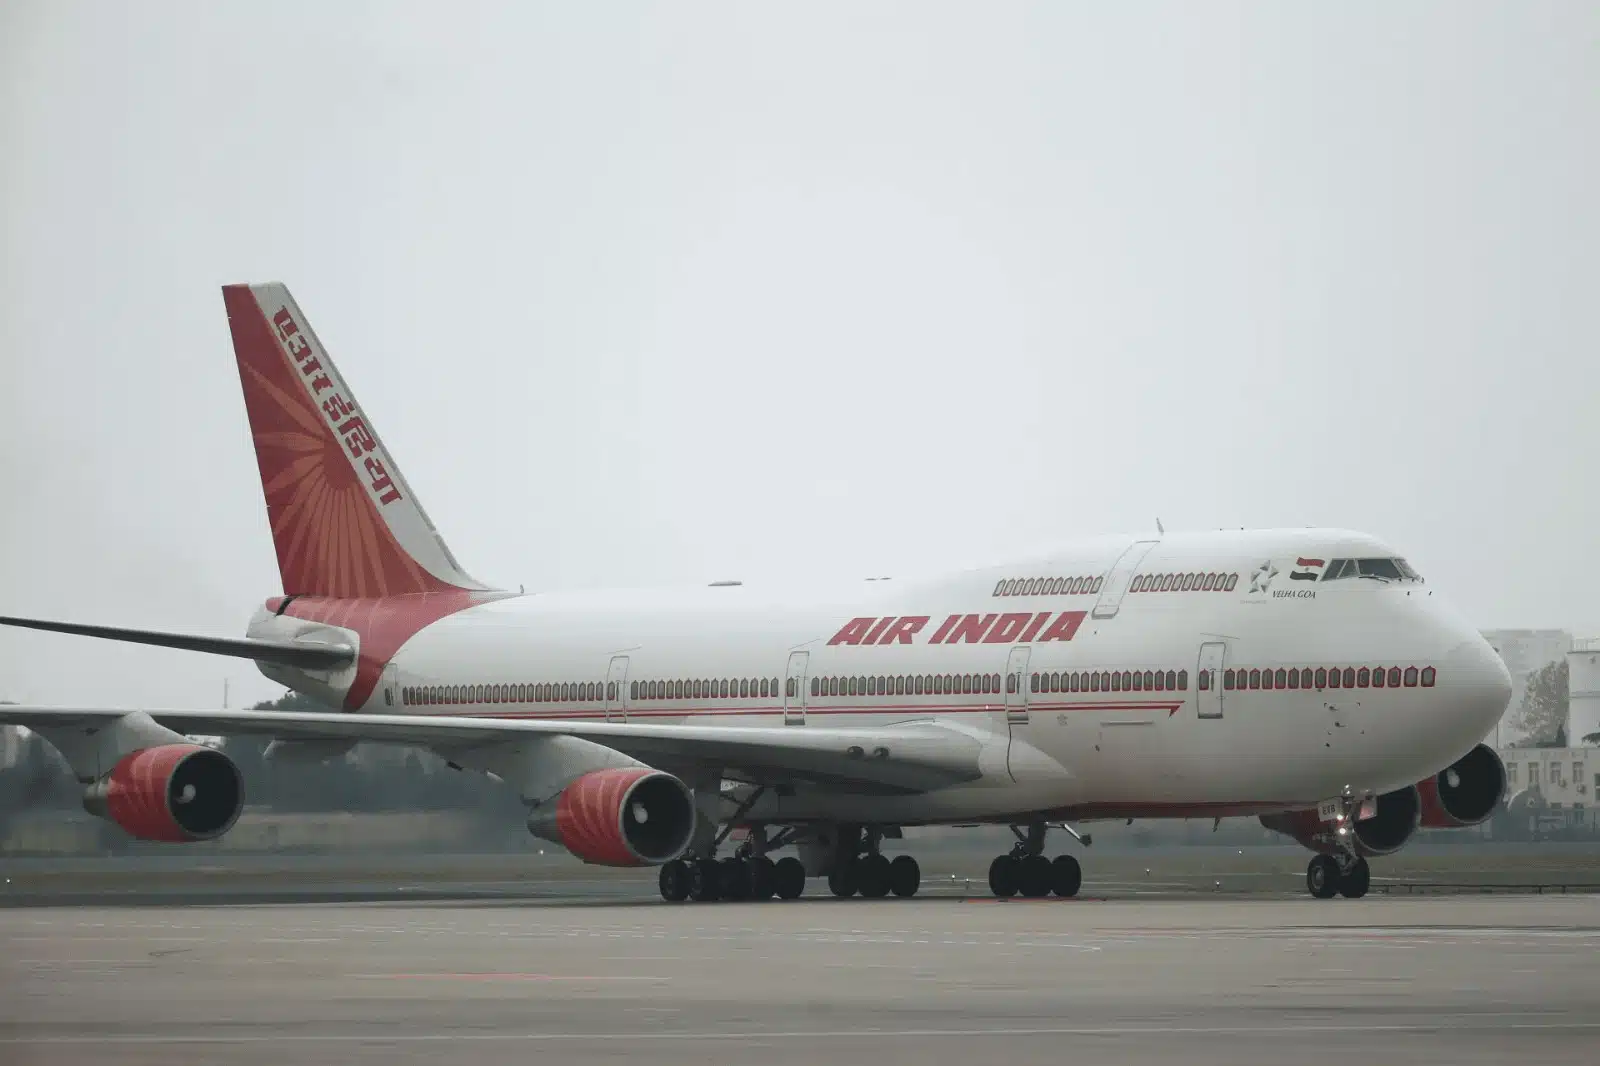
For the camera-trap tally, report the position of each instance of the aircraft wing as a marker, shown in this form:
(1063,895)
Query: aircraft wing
(911,757)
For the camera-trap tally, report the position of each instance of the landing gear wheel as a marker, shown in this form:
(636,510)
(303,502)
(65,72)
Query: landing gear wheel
(763,877)
(872,876)
(1066,876)
(1323,877)
(905,876)
(1033,877)
(674,881)
(789,877)
(705,881)
(1354,882)
(842,880)
(1003,875)
(735,879)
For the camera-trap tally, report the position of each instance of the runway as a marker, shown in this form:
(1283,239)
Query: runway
(1201,981)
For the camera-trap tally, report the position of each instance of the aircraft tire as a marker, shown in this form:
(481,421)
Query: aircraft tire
(1066,876)
(674,881)
(1003,874)
(1354,882)
(905,876)
(1033,877)
(705,881)
(763,878)
(735,876)
(789,877)
(842,880)
(872,876)
(1322,877)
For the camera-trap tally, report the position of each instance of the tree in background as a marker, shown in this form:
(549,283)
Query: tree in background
(1542,715)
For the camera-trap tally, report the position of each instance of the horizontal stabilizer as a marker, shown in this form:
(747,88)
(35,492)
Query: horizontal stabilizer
(303,655)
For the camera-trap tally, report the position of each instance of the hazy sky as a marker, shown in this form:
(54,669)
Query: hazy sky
(664,293)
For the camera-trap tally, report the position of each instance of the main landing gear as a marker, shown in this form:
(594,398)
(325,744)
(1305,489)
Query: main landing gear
(1327,877)
(1026,871)
(734,878)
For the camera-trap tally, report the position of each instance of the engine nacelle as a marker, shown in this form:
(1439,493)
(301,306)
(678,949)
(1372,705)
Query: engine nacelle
(625,816)
(1464,793)
(175,793)
(1397,817)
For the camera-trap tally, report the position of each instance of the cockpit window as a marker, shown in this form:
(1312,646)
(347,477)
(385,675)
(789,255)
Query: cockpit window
(1384,570)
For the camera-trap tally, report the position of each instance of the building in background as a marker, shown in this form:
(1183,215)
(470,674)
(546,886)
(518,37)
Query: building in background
(1524,651)
(1583,691)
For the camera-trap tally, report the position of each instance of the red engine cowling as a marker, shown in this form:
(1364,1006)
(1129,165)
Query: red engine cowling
(175,793)
(627,816)
(1464,793)
(1398,815)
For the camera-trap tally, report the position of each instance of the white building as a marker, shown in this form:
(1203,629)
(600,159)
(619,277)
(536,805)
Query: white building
(1554,778)
(1583,690)
(1524,651)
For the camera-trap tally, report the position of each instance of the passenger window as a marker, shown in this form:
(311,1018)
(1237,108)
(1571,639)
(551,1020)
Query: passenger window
(1428,676)
(1203,679)
(1138,681)
(1172,680)
(1363,677)
(1094,586)
(1211,582)
(1305,677)
(1322,677)
(1183,680)
(1378,677)
(1233,580)
(1227,680)
(1281,678)
(1349,677)
(1294,678)
(1094,682)
(1394,677)
(766,692)
(1411,677)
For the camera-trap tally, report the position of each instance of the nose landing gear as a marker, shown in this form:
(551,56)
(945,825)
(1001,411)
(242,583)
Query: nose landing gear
(1326,877)
(1343,872)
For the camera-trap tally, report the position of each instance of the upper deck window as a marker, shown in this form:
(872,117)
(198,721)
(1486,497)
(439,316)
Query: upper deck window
(1384,570)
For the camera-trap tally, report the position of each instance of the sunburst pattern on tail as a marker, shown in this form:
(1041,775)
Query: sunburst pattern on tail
(344,521)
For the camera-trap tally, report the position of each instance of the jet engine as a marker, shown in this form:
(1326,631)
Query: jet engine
(1397,817)
(174,793)
(624,816)
(1464,793)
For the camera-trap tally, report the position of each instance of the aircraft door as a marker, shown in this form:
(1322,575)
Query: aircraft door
(1017,686)
(794,688)
(1208,678)
(1120,577)
(617,689)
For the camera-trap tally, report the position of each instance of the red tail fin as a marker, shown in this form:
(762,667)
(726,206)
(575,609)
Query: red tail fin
(344,521)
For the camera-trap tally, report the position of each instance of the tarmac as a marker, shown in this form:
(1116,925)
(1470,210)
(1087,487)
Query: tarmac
(1111,978)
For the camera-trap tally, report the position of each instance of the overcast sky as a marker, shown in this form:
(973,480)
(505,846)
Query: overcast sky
(666,293)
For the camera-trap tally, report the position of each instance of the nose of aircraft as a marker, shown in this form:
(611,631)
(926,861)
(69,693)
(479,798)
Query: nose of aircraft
(1478,687)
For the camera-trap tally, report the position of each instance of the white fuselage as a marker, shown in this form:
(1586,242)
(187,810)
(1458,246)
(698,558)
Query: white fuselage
(1119,703)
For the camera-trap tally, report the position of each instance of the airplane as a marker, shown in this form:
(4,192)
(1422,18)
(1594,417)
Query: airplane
(1307,677)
